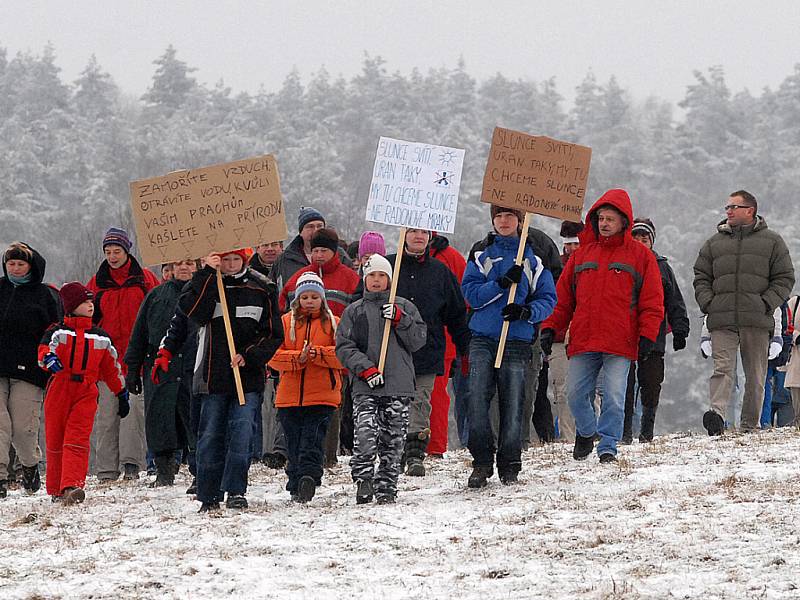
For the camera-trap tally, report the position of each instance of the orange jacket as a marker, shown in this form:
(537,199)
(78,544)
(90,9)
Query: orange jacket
(319,379)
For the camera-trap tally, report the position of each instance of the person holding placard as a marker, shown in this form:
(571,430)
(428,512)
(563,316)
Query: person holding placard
(226,426)
(611,298)
(486,283)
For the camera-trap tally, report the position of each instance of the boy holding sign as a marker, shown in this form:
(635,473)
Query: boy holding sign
(486,284)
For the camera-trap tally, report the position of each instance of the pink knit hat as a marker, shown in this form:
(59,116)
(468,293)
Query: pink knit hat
(371,242)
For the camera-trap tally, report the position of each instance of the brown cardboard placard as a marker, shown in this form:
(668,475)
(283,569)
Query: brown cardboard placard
(190,214)
(536,174)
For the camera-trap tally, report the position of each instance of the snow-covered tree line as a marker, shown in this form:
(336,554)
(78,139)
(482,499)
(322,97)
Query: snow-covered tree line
(69,149)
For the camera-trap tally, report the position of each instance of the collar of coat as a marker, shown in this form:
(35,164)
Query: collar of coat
(760,223)
(104,279)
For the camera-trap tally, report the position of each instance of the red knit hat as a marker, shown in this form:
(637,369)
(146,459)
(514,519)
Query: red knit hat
(73,294)
(241,252)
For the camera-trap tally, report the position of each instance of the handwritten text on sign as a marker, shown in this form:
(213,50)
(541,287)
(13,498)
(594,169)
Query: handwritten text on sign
(189,214)
(415,185)
(536,174)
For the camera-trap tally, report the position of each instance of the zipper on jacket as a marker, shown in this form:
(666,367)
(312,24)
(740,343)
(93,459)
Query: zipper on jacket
(736,280)
(303,374)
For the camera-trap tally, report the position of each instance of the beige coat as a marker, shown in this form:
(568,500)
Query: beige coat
(793,366)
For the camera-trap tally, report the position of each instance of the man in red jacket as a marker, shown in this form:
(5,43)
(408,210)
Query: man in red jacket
(119,287)
(610,295)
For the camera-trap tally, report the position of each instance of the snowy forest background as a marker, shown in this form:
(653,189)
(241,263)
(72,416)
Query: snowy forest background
(69,149)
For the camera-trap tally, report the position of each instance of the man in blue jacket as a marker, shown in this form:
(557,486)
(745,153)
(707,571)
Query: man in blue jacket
(486,283)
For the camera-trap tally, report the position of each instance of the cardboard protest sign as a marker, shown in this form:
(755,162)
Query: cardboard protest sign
(415,185)
(536,174)
(190,214)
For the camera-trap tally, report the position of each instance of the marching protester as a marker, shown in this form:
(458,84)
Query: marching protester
(780,347)
(167,398)
(27,308)
(380,399)
(649,372)
(78,354)
(265,256)
(310,384)
(486,284)
(119,287)
(435,291)
(611,298)
(742,274)
(226,428)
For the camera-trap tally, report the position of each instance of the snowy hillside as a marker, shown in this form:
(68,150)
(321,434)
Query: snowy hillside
(686,517)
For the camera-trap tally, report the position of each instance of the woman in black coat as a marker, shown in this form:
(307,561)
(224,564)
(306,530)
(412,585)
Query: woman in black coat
(27,308)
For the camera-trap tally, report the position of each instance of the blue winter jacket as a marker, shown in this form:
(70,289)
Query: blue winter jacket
(487,299)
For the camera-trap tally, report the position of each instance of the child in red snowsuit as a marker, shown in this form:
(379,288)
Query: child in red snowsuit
(78,354)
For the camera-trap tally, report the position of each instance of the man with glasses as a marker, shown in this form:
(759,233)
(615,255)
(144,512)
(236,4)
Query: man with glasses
(742,274)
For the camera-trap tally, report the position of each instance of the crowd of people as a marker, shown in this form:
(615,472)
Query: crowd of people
(130,373)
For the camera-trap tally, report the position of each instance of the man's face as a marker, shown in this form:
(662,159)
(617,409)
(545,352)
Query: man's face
(309,229)
(269,253)
(506,223)
(609,222)
(738,212)
(570,247)
(377,281)
(643,238)
(417,240)
(231,264)
(182,271)
(320,255)
(115,255)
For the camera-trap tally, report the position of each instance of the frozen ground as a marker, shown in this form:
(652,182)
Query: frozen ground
(685,517)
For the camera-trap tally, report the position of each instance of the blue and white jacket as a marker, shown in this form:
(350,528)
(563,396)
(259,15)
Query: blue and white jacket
(480,285)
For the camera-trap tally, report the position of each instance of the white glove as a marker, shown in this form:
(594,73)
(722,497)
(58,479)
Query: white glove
(775,349)
(705,348)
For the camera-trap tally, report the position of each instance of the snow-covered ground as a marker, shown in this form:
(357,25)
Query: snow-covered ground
(685,517)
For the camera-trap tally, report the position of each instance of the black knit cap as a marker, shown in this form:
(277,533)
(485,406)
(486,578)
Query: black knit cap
(495,210)
(570,229)
(18,251)
(325,238)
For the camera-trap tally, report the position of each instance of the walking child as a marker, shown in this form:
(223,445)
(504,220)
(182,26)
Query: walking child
(380,399)
(78,354)
(310,384)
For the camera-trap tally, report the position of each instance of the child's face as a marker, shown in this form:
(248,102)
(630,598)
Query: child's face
(377,281)
(506,223)
(310,301)
(85,309)
(231,264)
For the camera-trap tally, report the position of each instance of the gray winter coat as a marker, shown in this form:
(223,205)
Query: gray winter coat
(358,344)
(742,275)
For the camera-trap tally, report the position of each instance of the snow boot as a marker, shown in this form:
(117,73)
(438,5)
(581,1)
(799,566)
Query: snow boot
(713,423)
(416,443)
(648,423)
(306,489)
(207,507)
(165,471)
(385,498)
(583,447)
(607,458)
(479,476)
(72,495)
(274,460)
(131,472)
(30,479)
(236,501)
(363,491)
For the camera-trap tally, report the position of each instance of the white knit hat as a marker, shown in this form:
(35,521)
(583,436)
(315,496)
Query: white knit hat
(377,263)
(309,282)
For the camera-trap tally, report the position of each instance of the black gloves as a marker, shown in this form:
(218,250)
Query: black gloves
(516,312)
(513,275)
(645,347)
(124,405)
(678,342)
(546,340)
(133,381)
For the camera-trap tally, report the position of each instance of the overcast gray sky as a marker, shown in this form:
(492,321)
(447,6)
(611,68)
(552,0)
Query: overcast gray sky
(652,47)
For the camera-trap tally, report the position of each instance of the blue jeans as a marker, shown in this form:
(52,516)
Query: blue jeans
(509,381)
(224,444)
(461,404)
(194,417)
(581,384)
(772,387)
(305,428)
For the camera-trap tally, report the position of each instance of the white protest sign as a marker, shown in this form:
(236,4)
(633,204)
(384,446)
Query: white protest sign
(415,185)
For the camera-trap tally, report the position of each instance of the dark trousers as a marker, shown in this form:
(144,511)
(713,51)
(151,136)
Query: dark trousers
(305,428)
(650,375)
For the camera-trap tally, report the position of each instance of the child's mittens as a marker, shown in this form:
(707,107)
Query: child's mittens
(124,404)
(52,363)
(392,312)
(373,377)
(160,365)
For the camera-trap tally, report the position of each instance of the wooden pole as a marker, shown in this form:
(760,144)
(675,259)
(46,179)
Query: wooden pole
(237,376)
(512,291)
(392,294)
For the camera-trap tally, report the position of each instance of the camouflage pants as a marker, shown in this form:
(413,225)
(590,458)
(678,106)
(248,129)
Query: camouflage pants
(381,423)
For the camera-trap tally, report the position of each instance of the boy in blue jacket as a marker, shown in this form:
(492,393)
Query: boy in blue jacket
(486,284)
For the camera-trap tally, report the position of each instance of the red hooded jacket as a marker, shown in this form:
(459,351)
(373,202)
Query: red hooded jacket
(610,291)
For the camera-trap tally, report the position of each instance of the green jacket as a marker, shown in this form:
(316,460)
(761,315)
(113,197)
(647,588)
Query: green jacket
(742,275)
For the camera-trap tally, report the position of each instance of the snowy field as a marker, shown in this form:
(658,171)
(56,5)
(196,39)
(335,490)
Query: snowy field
(685,517)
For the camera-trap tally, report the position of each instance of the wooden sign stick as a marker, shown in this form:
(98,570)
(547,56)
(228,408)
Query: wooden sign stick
(237,376)
(512,291)
(392,294)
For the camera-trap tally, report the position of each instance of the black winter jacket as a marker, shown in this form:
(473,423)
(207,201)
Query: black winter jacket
(26,311)
(674,306)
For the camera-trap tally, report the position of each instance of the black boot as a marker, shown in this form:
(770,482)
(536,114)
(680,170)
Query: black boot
(30,479)
(131,472)
(416,443)
(165,471)
(306,488)
(627,429)
(713,423)
(583,447)
(479,476)
(3,488)
(648,422)
(363,491)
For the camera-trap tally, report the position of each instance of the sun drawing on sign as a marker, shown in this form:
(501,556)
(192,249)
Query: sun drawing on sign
(444,178)
(446,157)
